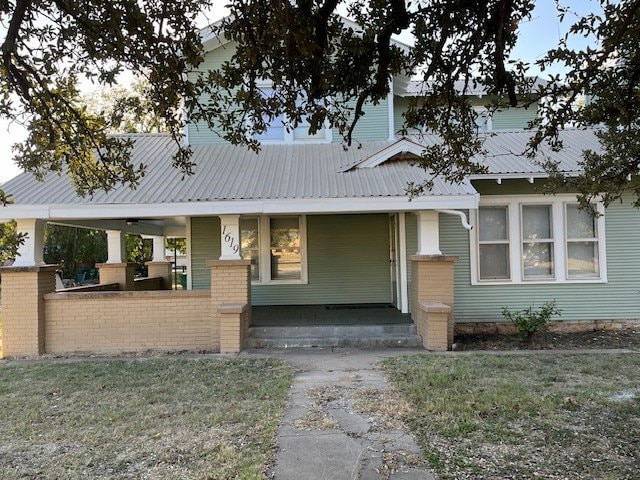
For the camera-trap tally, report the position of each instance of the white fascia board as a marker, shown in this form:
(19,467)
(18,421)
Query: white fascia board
(372,204)
(245,207)
(508,176)
(10,212)
(516,176)
(210,39)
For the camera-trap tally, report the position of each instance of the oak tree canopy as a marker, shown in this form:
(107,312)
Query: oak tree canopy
(323,69)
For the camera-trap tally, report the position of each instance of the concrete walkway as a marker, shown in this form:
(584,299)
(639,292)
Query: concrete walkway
(327,431)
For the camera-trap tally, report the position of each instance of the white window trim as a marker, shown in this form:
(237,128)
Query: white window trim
(264,239)
(514,204)
(289,130)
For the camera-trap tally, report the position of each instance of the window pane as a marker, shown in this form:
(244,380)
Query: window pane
(493,223)
(537,260)
(301,133)
(274,132)
(250,242)
(536,221)
(582,259)
(276,129)
(579,223)
(286,257)
(494,262)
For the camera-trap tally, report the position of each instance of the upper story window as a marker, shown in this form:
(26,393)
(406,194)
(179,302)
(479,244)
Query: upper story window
(535,240)
(280,131)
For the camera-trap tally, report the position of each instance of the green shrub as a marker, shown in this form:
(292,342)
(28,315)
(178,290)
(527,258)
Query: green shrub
(530,321)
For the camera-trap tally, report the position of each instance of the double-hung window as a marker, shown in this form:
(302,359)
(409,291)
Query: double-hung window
(537,242)
(493,231)
(582,244)
(276,247)
(530,239)
(280,129)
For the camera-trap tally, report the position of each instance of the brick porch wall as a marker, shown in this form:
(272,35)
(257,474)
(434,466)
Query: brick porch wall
(108,322)
(37,321)
(23,325)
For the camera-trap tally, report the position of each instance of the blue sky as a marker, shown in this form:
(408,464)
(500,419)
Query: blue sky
(537,36)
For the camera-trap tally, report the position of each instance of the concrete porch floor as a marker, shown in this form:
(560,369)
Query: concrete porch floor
(313,315)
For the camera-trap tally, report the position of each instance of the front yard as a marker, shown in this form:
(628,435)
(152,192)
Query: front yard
(551,416)
(155,418)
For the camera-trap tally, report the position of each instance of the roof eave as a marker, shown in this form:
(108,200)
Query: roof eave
(243,207)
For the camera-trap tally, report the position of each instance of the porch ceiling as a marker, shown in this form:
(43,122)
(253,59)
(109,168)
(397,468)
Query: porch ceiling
(168,227)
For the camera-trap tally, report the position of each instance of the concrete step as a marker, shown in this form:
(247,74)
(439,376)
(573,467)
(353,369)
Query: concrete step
(363,336)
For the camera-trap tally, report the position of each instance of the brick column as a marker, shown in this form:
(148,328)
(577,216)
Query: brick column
(432,281)
(160,269)
(120,273)
(23,326)
(231,301)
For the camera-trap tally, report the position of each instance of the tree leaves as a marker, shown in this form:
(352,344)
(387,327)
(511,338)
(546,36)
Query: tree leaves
(321,69)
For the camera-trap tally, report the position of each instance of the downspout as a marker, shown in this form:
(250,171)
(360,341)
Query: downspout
(463,217)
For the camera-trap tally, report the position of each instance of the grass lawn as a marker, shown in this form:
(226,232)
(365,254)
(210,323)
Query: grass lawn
(548,416)
(156,418)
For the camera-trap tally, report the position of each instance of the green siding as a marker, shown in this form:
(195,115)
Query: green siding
(205,245)
(513,118)
(400,105)
(348,261)
(615,300)
(507,187)
(200,133)
(372,126)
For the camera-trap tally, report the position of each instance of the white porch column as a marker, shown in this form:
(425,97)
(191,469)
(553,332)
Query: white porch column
(30,252)
(158,249)
(230,237)
(116,247)
(428,233)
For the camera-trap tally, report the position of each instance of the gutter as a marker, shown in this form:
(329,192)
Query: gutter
(463,217)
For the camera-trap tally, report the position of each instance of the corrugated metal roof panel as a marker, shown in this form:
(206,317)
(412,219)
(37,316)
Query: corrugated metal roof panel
(225,172)
(505,152)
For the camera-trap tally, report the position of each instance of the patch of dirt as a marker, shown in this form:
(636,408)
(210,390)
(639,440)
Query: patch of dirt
(316,419)
(599,339)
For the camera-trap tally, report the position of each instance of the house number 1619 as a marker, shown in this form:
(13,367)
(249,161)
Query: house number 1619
(230,240)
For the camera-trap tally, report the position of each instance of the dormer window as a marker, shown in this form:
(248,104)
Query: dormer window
(279,130)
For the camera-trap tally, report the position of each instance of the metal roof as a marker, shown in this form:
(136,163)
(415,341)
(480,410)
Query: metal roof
(296,171)
(225,172)
(505,152)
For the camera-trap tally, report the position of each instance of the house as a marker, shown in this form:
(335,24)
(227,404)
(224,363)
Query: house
(305,222)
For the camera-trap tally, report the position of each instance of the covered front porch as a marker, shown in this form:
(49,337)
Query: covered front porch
(223,317)
(347,235)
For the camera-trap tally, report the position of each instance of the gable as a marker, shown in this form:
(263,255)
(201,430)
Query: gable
(403,149)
